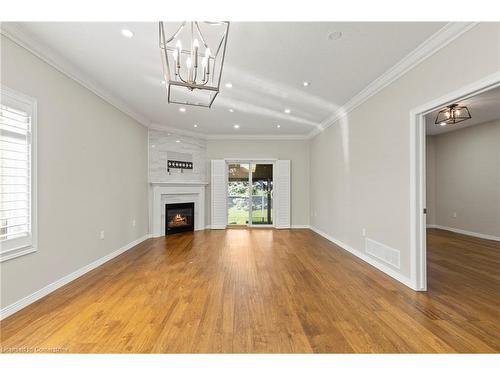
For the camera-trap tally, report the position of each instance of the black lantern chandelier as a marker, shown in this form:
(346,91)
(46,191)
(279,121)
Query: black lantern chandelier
(452,114)
(193,58)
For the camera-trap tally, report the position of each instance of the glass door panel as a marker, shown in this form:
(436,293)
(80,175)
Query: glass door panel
(262,189)
(238,191)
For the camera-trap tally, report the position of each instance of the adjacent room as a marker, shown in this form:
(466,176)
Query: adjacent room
(250,187)
(463,198)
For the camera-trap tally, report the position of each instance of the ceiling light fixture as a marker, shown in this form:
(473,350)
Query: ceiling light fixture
(236,126)
(197,68)
(229,85)
(127,33)
(278,126)
(195,125)
(177,141)
(287,110)
(182,109)
(305,83)
(231,110)
(453,114)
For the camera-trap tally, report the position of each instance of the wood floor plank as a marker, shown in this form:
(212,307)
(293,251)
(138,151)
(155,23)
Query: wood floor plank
(268,291)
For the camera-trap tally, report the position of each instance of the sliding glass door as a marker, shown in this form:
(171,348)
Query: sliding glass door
(238,189)
(250,189)
(262,190)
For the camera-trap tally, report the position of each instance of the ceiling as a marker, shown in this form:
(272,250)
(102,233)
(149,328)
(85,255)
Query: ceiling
(266,62)
(483,108)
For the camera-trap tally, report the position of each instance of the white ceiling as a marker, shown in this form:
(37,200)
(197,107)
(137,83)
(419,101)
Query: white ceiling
(483,108)
(266,63)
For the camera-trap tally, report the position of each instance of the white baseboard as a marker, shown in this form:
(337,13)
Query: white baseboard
(298,226)
(365,257)
(466,232)
(23,302)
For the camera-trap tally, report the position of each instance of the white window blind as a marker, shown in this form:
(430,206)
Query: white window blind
(16,198)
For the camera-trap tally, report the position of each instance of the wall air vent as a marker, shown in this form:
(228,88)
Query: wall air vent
(384,253)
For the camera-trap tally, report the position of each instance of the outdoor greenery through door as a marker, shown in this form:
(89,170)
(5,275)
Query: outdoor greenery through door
(247,200)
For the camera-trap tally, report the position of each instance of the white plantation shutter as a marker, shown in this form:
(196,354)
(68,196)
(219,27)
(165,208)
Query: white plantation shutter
(281,196)
(16,198)
(219,197)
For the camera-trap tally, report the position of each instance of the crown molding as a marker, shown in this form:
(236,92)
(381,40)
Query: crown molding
(258,137)
(234,137)
(430,46)
(49,56)
(170,129)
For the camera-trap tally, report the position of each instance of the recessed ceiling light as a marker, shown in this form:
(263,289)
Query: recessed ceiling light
(278,126)
(305,83)
(177,141)
(127,33)
(336,35)
(182,109)
(236,126)
(231,110)
(195,125)
(287,110)
(442,123)
(229,85)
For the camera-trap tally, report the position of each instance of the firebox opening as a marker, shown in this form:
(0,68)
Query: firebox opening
(179,217)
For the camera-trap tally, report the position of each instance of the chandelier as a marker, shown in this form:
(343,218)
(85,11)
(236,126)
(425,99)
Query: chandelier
(452,114)
(193,58)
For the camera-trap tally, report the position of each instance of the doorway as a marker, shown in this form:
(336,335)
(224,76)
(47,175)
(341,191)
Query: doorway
(419,209)
(250,193)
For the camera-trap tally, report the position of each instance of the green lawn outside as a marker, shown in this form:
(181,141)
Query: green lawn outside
(237,216)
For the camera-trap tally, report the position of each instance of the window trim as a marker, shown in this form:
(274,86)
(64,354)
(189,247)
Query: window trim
(13,98)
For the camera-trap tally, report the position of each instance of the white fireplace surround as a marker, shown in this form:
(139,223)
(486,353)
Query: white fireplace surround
(177,192)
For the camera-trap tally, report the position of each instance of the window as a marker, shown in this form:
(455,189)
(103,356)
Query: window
(17,175)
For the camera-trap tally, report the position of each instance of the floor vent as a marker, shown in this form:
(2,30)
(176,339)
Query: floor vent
(383,252)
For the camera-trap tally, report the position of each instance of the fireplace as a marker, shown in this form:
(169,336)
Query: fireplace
(179,217)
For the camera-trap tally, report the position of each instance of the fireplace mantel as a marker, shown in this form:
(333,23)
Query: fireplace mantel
(177,183)
(177,192)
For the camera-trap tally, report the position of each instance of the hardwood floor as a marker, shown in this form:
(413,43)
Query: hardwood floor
(268,291)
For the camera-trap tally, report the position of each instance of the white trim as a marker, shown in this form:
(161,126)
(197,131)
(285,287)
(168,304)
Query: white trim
(58,62)
(177,131)
(234,137)
(259,137)
(365,257)
(33,109)
(23,302)
(418,257)
(300,226)
(466,232)
(191,183)
(430,46)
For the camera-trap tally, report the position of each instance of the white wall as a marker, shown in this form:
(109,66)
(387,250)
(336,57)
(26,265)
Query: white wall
(295,150)
(360,172)
(467,179)
(92,175)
